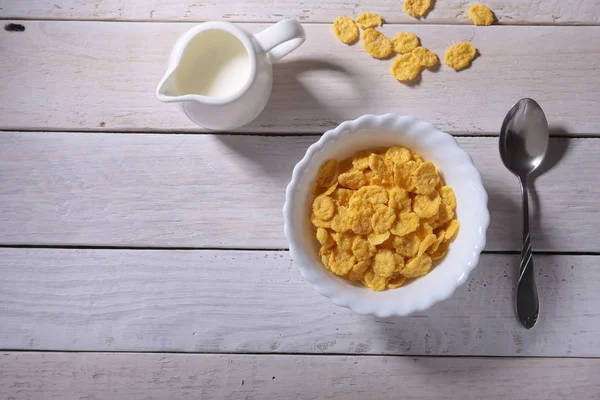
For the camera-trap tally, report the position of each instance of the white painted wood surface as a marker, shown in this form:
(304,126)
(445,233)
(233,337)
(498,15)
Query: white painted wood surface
(60,75)
(67,376)
(257,302)
(218,191)
(443,12)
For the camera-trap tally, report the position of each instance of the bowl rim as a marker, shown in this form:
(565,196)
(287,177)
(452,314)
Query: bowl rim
(370,121)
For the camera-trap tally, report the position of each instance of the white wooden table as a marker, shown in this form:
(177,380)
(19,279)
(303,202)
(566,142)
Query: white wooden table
(142,257)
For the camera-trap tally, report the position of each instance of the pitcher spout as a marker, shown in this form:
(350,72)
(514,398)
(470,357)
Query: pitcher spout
(167,90)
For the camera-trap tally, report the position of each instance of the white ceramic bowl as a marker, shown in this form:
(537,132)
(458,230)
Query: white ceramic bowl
(372,131)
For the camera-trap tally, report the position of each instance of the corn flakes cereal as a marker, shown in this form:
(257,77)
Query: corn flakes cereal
(460,56)
(452,229)
(447,195)
(363,249)
(352,180)
(346,30)
(481,15)
(341,262)
(405,42)
(382,219)
(406,67)
(378,238)
(426,206)
(426,58)
(417,8)
(376,44)
(400,201)
(417,266)
(369,20)
(324,238)
(358,271)
(323,208)
(328,173)
(407,245)
(374,281)
(405,224)
(426,177)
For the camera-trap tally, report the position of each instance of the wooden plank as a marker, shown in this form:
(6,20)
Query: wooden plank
(206,191)
(209,376)
(63,76)
(256,302)
(444,12)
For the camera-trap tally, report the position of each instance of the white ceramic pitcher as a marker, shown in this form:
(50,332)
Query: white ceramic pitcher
(223,74)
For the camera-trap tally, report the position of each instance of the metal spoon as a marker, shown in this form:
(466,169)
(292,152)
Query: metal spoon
(523,143)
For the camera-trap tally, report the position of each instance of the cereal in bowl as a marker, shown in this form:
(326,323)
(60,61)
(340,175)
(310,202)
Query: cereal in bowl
(382,217)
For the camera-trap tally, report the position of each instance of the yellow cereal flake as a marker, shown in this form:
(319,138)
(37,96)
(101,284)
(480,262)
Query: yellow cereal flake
(324,238)
(460,56)
(440,252)
(384,263)
(360,161)
(339,222)
(382,175)
(407,245)
(376,44)
(447,195)
(378,238)
(330,189)
(328,173)
(406,67)
(341,262)
(403,174)
(372,193)
(452,229)
(369,20)
(405,42)
(424,230)
(398,154)
(342,196)
(426,58)
(323,208)
(382,219)
(319,223)
(426,206)
(481,15)
(374,281)
(344,241)
(352,180)
(360,221)
(417,266)
(427,242)
(439,239)
(445,214)
(400,201)
(417,8)
(346,30)
(425,178)
(396,280)
(405,224)
(363,249)
(358,271)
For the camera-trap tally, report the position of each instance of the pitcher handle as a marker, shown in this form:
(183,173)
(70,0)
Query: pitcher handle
(281,39)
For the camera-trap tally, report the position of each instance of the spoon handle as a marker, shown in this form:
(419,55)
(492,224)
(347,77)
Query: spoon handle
(528,305)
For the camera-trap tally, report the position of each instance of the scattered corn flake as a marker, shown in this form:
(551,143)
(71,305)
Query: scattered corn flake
(405,42)
(374,281)
(481,15)
(344,240)
(447,195)
(360,221)
(384,263)
(363,249)
(405,224)
(330,189)
(406,67)
(417,266)
(352,179)
(427,242)
(424,230)
(398,154)
(342,196)
(426,206)
(339,222)
(324,238)
(383,219)
(369,20)
(346,30)
(439,239)
(460,56)
(425,57)
(417,8)
(403,174)
(372,193)
(319,223)
(378,238)
(400,201)
(425,178)
(376,44)
(445,213)
(440,252)
(396,280)
(358,270)
(382,175)
(341,262)
(360,160)
(328,173)
(323,207)
(452,229)
(407,245)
